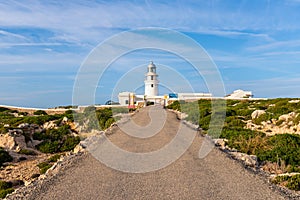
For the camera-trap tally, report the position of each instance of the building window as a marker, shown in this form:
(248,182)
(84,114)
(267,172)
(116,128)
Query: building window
(126,101)
(152,70)
(151,85)
(151,77)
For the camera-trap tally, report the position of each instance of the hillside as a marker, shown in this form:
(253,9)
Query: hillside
(30,143)
(266,130)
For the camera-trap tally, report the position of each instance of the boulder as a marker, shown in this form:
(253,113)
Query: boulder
(65,120)
(78,149)
(7,141)
(220,143)
(249,160)
(12,141)
(49,125)
(287,117)
(24,125)
(257,113)
(294,101)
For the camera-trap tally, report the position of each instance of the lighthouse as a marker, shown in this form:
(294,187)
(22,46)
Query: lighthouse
(151,81)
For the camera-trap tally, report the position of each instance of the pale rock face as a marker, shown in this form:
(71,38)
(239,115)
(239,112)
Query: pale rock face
(49,125)
(250,160)
(257,113)
(221,143)
(272,128)
(287,117)
(7,141)
(24,125)
(12,142)
(294,101)
(65,120)
(79,148)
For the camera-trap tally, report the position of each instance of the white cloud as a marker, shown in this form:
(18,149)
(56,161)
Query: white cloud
(6,33)
(274,45)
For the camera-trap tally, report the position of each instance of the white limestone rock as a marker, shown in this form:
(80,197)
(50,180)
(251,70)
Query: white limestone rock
(255,114)
(49,125)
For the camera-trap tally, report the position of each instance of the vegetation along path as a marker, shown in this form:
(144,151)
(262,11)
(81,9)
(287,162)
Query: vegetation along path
(189,177)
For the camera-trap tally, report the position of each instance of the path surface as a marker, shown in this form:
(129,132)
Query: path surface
(214,177)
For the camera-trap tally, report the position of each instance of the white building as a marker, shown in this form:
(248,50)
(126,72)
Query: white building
(151,92)
(151,89)
(193,96)
(238,94)
(151,81)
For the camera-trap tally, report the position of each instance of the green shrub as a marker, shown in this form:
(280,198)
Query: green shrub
(261,118)
(69,112)
(109,122)
(44,166)
(4,193)
(5,185)
(204,122)
(48,146)
(89,109)
(285,147)
(40,112)
(193,116)
(291,182)
(149,103)
(69,143)
(294,182)
(56,140)
(175,106)
(27,152)
(297,119)
(279,122)
(23,113)
(4,156)
(234,122)
(54,158)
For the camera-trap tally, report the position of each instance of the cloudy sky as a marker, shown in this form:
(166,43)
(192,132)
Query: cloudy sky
(254,44)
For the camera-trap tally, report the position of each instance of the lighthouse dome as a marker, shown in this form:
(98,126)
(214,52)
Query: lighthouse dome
(152,67)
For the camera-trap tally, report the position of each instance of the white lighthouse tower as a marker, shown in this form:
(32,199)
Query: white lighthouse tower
(151,82)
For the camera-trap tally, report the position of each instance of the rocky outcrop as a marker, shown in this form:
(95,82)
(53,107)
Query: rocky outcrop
(248,160)
(257,113)
(284,124)
(49,125)
(287,117)
(13,140)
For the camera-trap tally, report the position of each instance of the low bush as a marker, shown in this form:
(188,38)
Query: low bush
(27,152)
(175,106)
(5,188)
(5,185)
(40,112)
(54,158)
(4,156)
(69,143)
(262,118)
(44,166)
(56,140)
(4,193)
(149,103)
(285,147)
(291,182)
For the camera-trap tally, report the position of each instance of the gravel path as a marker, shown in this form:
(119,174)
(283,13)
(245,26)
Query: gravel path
(214,177)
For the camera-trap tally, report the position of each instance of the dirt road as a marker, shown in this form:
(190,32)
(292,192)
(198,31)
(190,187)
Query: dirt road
(213,177)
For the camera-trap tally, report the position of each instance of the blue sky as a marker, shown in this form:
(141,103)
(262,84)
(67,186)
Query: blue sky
(255,45)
